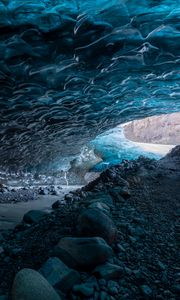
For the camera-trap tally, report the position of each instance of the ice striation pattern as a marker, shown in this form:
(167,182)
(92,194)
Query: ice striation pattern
(70,70)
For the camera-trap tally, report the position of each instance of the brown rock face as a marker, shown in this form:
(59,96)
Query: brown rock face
(163,129)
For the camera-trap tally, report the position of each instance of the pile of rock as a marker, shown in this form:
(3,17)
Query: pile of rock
(64,274)
(99,244)
(49,190)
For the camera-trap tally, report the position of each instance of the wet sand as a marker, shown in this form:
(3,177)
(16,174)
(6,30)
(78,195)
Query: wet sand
(155,148)
(11,214)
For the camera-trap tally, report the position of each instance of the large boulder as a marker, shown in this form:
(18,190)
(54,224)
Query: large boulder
(102,197)
(30,285)
(94,222)
(59,275)
(83,253)
(34,216)
(101,206)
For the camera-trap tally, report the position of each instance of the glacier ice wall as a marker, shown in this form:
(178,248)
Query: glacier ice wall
(70,70)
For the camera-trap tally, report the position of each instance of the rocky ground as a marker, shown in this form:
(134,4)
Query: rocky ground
(23,194)
(116,238)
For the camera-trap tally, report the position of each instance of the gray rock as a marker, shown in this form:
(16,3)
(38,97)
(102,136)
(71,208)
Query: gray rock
(30,285)
(103,296)
(56,204)
(102,197)
(100,205)
(94,222)
(113,287)
(161,265)
(125,192)
(83,252)
(102,282)
(109,271)
(1,238)
(137,231)
(146,290)
(121,248)
(59,275)
(16,251)
(176,288)
(92,281)
(34,216)
(114,192)
(1,250)
(43,191)
(84,289)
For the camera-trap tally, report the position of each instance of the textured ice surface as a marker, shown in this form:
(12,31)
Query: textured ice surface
(69,70)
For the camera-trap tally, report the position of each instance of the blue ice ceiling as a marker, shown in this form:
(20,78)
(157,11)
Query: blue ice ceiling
(69,70)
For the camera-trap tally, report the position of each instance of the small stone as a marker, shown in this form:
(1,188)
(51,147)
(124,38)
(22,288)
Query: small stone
(132,239)
(167,294)
(84,289)
(139,231)
(16,251)
(68,198)
(103,295)
(96,296)
(112,284)
(121,248)
(30,285)
(139,276)
(177,276)
(43,191)
(7,259)
(176,288)
(56,204)
(109,271)
(146,290)
(161,265)
(125,193)
(102,282)
(93,282)
(34,216)
(1,238)
(128,271)
(1,250)
(113,291)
